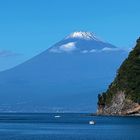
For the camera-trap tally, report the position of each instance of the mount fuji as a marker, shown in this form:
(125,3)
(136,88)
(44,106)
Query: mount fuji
(82,42)
(65,78)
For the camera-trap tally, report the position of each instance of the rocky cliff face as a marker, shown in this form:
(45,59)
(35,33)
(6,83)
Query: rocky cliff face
(119,106)
(123,95)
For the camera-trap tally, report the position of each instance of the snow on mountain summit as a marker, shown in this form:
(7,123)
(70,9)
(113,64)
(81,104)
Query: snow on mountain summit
(83,35)
(81,42)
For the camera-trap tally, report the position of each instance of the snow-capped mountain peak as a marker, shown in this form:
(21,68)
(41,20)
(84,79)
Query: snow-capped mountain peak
(83,35)
(81,42)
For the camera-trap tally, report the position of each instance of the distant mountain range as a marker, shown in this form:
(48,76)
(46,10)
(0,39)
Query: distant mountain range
(65,78)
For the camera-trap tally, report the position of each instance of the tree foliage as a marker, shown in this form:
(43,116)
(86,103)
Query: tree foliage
(127,79)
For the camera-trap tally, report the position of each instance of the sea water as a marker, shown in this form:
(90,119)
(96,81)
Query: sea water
(67,126)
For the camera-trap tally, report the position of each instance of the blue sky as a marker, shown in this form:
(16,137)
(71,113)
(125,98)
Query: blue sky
(28,27)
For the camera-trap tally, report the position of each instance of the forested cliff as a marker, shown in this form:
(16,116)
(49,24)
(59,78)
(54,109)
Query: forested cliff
(123,95)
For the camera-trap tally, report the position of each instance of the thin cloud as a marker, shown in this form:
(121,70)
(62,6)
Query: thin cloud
(53,50)
(68,47)
(7,53)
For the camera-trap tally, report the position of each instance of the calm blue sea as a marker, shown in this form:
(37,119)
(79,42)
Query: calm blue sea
(67,127)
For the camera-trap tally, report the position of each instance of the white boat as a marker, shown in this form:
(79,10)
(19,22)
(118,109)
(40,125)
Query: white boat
(92,122)
(57,116)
